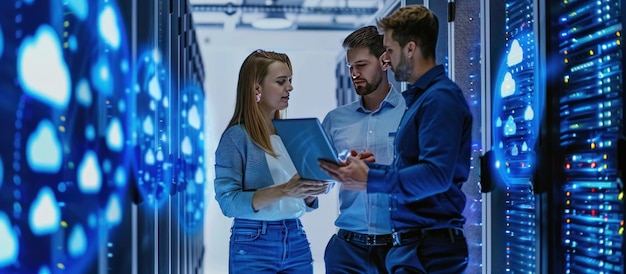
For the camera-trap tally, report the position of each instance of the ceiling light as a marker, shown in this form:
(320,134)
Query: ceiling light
(273,21)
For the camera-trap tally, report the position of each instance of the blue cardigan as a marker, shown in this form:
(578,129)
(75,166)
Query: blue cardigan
(240,170)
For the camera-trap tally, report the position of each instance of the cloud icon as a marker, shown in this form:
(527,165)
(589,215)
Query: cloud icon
(113,210)
(41,70)
(194,117)
(186,146)
(10,247)
(79,7)
(508,85)
(516,54)
(44,215)
(89,174)
(148,126)
(115,135)
(154,88)
(83,93)
(107,25)
(43,149)
(77,241)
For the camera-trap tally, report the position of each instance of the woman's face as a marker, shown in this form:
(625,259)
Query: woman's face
(275,88)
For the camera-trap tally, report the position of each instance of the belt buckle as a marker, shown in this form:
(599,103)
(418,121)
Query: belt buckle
(370,240)
(395,237)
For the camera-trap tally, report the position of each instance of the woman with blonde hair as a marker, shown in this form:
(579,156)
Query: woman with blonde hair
(256,182)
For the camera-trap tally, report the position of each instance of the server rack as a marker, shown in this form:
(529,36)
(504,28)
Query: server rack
(557,114)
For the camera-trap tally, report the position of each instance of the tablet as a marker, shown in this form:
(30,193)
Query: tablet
(306,142)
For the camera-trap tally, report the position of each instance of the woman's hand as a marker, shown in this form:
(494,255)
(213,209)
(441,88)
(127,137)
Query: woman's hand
(301,188)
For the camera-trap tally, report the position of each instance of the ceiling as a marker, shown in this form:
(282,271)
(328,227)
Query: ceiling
(299,14)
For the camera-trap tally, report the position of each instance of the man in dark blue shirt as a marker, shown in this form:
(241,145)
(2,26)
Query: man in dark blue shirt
(432,149)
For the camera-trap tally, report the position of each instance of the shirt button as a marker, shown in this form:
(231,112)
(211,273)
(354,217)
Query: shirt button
(371,132)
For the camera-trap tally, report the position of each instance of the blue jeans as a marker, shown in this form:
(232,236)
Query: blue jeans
(258,247)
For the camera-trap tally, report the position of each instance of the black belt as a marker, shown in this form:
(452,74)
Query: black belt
(400,238)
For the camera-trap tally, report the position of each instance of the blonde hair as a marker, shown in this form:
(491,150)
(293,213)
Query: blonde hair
(247,112)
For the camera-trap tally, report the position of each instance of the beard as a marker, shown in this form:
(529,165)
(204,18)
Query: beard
(402,72)
(368,88)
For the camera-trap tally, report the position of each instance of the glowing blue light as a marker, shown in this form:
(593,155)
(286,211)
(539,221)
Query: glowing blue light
(90,132)
(498,122)
(77,241)
(166,102)
(80,8)
(149,157)
(113,210)
(516,54)
(120,177)
(72,43)
(148,126)
(43,149)
(42,72)
(108,28)
(115,135)
(186,146)
(44,270)
(194,118)
(159,156)
(89,174)
(508,85)
(524,146)
(83,93)
(101,76)
(154,88)
(1,41)
(44,216)
(529,114)
(514,151)
(199,176)
(10,246)
(510,127)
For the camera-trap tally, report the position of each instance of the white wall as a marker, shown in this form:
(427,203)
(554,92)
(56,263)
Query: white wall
(313,55)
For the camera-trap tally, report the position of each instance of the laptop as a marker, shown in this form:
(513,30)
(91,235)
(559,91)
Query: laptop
(306,142)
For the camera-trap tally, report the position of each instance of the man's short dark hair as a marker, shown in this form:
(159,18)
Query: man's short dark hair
(413,23)
(365,37)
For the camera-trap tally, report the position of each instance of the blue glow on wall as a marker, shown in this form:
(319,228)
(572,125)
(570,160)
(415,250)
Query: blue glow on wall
(64,157)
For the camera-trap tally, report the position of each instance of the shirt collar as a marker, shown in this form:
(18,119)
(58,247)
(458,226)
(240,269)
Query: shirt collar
(423,82)
(391,100)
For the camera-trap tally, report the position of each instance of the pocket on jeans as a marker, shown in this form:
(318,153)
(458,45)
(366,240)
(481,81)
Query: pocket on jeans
(245,234)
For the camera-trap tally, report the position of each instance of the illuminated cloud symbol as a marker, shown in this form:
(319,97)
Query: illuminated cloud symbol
(510,127)
(498,122)
(77,242)
(89,174)
(83,93)
(148,126)
(79,7)
(199,176)
(166,102)
(154,88)
(42,72)
(113,210)
(90,132)
(508,85)
(186,146)
(194,118)
(514,151)
(516,54)
(115,135)
(44,270)
(149,157)
(529,114)
(120,177)
(101,76)
(43,149)
(159,156)
(44,216)
(10,247)
(108,28)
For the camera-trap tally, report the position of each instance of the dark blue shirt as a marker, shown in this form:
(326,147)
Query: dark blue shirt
(432,156)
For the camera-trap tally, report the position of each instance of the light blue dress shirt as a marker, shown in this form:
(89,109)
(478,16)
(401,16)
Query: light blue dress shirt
(352,126)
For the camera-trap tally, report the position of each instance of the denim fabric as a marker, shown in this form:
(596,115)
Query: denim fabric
(342,257)
(269,247)
(432,255)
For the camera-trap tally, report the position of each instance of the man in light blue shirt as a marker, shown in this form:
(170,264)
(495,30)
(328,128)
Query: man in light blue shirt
(365,125)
